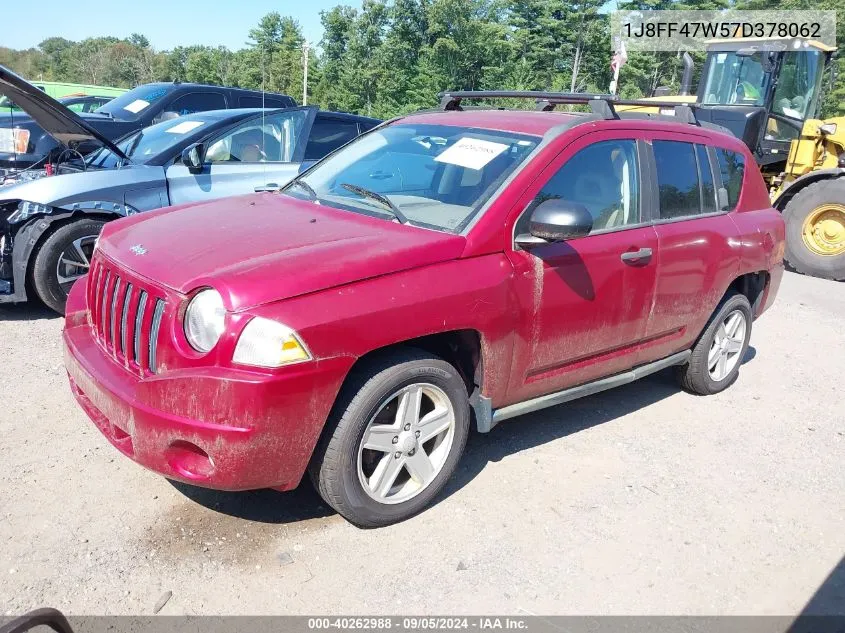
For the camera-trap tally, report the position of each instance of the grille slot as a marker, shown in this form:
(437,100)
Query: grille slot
(156,325)
(125,318)
(139,320)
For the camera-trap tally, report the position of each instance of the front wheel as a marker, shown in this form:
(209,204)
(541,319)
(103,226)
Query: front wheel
(394,438)
(64,257)
(815,230)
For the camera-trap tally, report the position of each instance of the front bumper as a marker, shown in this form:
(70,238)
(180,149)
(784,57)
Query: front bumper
(272,422)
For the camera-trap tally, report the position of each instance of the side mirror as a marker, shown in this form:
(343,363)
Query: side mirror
(192,158)
(556,220)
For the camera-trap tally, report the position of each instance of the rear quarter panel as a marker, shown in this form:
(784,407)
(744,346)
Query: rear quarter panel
(761,228)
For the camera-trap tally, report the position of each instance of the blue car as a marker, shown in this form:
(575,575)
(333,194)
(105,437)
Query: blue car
(49,223)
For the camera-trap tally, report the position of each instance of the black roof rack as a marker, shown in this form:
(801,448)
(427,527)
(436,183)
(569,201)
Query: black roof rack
(601,105)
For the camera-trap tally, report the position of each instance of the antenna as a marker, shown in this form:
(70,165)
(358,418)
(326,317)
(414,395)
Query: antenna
(263,112)
(305,72)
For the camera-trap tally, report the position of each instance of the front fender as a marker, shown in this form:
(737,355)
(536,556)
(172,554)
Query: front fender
(793,187)
(28,238)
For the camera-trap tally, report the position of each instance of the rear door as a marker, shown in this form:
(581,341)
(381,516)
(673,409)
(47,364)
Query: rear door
(698,241)
(585,301)
(264,151)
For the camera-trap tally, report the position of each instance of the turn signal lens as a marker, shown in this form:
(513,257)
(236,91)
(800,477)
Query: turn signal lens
(266,343)
(14,140)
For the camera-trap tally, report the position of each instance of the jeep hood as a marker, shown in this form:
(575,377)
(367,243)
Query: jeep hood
(62,124)
(261,248)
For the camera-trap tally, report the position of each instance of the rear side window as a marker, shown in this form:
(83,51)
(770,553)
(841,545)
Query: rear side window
(732,168)
(255,101)
(327,135)
(677,179)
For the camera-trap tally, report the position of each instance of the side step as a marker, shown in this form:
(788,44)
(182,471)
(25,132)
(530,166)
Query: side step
(487,417)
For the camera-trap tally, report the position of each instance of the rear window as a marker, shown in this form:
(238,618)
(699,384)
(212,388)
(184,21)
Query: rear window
(732,168)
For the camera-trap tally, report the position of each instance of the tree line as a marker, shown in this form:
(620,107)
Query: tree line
(393,56)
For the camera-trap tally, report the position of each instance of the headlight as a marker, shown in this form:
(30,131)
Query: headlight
(14,140)
(26,210)
(204,320)
(267,343)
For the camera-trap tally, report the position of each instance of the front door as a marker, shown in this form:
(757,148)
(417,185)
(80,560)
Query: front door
(585,301)
(259,152)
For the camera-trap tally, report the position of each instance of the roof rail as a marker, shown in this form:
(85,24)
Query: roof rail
(602,105)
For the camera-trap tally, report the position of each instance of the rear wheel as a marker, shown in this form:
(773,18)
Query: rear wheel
(716,357)
(64,257)
(815,230)
(394,438)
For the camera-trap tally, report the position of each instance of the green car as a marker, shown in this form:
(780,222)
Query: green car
(59,89)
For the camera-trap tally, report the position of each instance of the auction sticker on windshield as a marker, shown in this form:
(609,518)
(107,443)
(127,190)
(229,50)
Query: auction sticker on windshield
(472,153)
(136,106)
(183,127)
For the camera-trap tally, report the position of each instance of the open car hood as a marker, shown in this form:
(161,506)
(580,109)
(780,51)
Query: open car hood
(62,124)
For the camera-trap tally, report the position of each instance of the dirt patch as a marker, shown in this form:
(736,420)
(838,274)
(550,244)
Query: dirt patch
(235,528)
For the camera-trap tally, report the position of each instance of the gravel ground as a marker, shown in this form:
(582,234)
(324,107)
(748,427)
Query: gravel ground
(642,500)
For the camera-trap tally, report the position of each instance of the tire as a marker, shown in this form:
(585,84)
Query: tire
(696,376)
(45,269)
(799,255)
(345,474)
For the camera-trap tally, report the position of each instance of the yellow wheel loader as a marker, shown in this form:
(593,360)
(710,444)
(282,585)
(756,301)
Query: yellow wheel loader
(768,93)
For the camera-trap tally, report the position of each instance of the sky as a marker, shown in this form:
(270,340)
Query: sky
(166,23)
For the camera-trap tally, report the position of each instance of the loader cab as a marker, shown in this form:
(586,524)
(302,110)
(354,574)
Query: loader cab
(763,91)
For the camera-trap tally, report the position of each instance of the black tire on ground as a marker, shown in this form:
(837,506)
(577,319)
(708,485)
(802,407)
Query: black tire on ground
(334,466)
(45,267)
(695,375)
(797,255)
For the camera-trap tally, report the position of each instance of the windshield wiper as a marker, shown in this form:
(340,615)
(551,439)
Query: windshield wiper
(366,193)
(304,185)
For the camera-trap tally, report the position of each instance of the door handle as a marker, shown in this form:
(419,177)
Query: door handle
(634,258)
(270,186)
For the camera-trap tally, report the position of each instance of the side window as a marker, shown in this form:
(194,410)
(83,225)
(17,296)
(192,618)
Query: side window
(732,168)
(190,103)
(256,101)
(604,177)
(327,135)
(677,179)
(261,139)
(366,125)
(705,175)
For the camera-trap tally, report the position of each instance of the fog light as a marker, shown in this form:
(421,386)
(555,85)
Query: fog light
(189,460)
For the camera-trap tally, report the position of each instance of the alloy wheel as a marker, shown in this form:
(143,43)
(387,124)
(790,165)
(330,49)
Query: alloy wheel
(728,341)
(406,443)
(75,261)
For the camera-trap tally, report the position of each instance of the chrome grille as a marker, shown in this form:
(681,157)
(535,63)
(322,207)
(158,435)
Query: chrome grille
(126,320)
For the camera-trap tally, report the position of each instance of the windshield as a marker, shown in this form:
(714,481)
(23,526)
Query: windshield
(797,90)
(736,79)
(435,175)
(130,105)
(147,143)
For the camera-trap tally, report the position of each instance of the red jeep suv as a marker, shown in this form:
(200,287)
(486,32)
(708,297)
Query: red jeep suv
(447,268)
